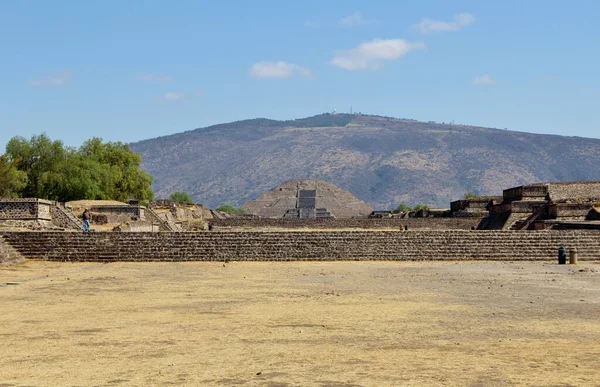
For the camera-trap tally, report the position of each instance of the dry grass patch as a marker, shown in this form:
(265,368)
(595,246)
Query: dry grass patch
(300,323)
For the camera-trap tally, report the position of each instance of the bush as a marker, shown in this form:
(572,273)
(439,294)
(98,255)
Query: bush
(230,209)
(403,207)
(181,197)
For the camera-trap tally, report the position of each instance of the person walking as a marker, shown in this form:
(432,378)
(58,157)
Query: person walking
(86,220)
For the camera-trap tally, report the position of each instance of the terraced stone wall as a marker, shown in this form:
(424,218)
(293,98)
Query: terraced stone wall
(8,255)
(581,189)
(359,223)
(295,245)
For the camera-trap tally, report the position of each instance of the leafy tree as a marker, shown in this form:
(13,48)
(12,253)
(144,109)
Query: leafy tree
(96,170)
(469,195)
(402,207)
(182,197)
(230,209)
(11,179)
(41,159)
(124,178)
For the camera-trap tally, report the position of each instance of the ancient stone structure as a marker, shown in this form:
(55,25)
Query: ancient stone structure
(177,216)
(276,202)
(543,205)
(35,214)
(233,224)
(306,207)
(64,218)
(25,209)
(120,213)
(477,206)
(292,246)
(184,210)
(8,255)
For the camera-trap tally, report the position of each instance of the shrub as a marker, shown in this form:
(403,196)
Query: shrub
(230,209)
(181,197)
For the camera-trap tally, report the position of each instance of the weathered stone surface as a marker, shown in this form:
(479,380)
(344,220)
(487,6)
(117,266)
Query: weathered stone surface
(274,203)
(293,245)
(25,209)
(8,255)
(464,223)
(524,206)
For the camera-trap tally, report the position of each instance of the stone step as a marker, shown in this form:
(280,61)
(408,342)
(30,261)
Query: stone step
(353,245)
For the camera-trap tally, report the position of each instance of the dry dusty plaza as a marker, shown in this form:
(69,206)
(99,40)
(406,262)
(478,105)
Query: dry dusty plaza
(300,323)
(167,294)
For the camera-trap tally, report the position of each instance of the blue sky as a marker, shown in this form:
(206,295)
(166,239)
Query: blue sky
(131,70)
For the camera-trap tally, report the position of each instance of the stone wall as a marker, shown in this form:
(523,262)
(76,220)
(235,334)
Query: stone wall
(28,224)
(294,245)
(536,191)
(25,209)
(361,223)
(569,210)
(62,217)
(553,191)
(581,189)
(474,205)
(118,214)
(8,255)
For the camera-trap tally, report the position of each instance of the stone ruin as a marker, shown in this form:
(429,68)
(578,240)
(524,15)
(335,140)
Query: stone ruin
(179,216)
(545,205)
(36,214)
(160,215)
(306,207)
(318,204)
(296,245)
(307,199)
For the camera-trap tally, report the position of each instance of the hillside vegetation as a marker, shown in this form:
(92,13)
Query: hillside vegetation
(383,161)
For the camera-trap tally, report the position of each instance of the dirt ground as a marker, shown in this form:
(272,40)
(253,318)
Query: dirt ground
(300,324)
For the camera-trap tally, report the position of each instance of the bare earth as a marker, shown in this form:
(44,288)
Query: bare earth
(298,324)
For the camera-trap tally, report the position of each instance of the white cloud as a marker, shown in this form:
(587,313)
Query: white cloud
(371,55)
(461,20)
(173,96)
(59,79)
(278,70)
(484,80)
(153,77)
(354,20)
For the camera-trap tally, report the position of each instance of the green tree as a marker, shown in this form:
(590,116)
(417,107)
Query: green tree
(96,170)
(469,195)
(402,207)
(182,197)
(123,179)
(12,181)
(41,159)
(230,209)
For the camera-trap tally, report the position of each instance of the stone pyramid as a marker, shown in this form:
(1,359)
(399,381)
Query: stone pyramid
(274,203)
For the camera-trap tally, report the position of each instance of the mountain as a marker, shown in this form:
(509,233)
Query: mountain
(381,160)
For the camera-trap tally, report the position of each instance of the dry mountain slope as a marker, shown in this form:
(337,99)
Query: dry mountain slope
(381,160)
